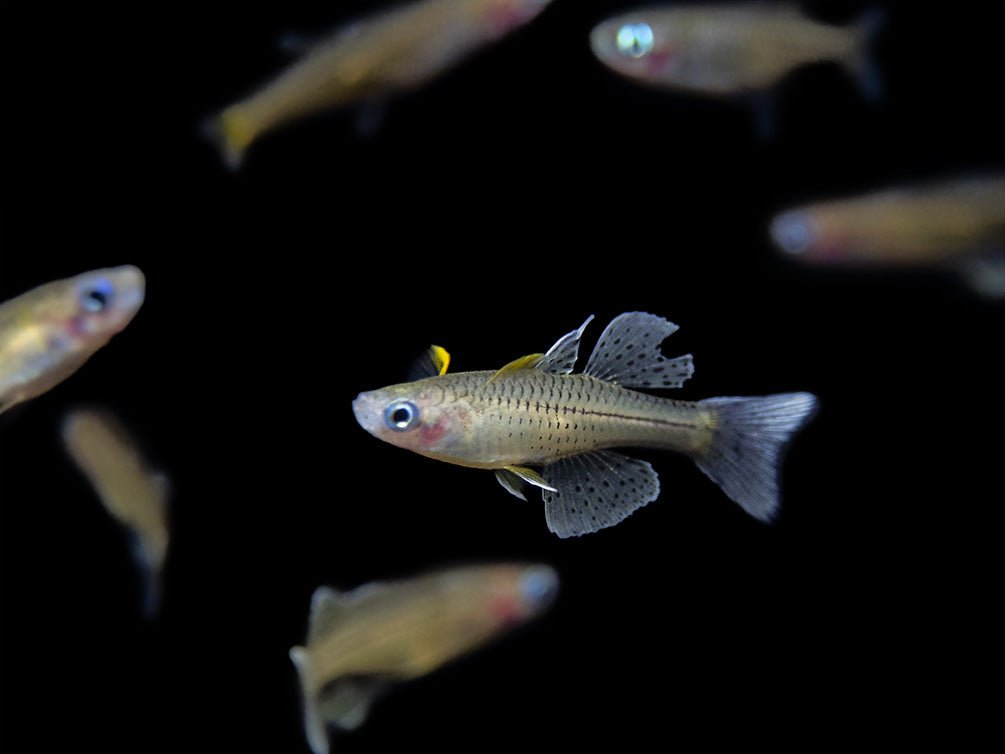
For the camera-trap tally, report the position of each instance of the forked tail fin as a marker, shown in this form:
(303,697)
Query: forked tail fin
(748,441)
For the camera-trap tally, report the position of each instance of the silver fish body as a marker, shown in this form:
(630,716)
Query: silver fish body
(533,413)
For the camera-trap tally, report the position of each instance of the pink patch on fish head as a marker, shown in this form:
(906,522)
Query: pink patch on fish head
(409,419)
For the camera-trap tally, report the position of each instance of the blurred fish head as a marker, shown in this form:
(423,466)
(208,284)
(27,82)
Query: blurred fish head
(507,15)
(632,47)
(103,302)
(799,232)
(414,416)
(523,592)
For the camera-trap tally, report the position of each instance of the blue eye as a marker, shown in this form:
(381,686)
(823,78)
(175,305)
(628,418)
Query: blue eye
(97,296)
(794,231)
(539,585)
(635,40)
(401,416)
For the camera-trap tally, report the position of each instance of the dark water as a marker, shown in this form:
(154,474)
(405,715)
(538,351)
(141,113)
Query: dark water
(491,214)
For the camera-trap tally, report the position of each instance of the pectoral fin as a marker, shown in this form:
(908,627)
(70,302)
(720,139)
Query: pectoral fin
(516,478)
(595,490)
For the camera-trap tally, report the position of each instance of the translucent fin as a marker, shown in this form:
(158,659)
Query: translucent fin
(512,483)
(860,62)
(561,357)
(524,362)
(324,613)
(628,353)
(432,363)
(346,702)
(231,133)
(747,445)
(524,475)
(985,274)
(314,726)
(596,490)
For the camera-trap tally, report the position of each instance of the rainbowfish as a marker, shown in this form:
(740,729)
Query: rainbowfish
(957,223)
(133,493)
(534,413)
(729,49)
(49,332)
(394,51)
(360,642)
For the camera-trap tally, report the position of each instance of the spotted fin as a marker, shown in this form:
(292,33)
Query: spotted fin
(628,353)
(595,490)
(515,480)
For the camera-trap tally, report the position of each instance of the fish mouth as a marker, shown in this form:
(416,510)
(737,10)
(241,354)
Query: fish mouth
(364,408)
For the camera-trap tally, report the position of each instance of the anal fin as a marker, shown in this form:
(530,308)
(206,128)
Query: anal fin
(595,490)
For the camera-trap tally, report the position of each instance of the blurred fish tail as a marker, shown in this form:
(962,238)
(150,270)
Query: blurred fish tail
(314,725)
(860,60)
(748,440)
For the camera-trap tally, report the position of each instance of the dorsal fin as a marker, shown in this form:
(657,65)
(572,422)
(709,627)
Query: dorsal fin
(432,363)
(628,353)
(524,362)
(324,613)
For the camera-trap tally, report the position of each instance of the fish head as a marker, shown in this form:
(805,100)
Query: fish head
(506,15)
(805,233)
(632,47)
(101,303)
(414,416)
(522,592)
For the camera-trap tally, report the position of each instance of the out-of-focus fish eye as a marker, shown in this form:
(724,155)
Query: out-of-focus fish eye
(97,295)
(539,585)
(635,40)
(794,232)
(401,416)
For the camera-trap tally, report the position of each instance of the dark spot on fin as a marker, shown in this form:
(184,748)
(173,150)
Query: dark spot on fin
(628,353)
(596,490)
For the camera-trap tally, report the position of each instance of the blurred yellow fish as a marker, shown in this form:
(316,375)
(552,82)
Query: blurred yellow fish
(534,413)
(134,494)
(361,641)
(728,49)
(956,224)
(397,50)
(48,333)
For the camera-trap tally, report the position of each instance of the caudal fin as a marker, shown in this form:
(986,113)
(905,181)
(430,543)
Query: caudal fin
(748,441)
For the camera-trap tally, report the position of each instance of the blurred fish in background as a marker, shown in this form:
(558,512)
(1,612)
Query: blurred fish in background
(129,489)
(956,224)
(731,50)
(49,332)
(367,61)
(362,641)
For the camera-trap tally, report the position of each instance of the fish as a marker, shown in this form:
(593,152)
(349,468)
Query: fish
(955,223)
(536,424)
(731,50)
(362,641)
(49,332)
(134,493)
(367,61)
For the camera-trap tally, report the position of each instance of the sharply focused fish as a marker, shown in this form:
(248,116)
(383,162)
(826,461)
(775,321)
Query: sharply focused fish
(361,641)
(48,333)
(398,50)
(534,414)
(132,492)
(956,224)
(729,49)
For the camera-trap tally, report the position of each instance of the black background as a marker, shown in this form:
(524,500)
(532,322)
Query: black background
(491,213)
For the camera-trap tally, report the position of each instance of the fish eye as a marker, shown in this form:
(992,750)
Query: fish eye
(794,232)
(401,416)
(97,296)
(635,40)
(539,585)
